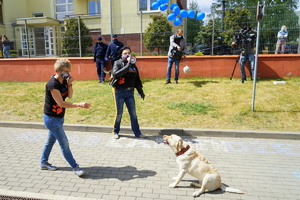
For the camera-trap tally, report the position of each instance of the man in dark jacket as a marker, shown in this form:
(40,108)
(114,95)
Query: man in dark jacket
(100,49)
(113,49)
(245,39)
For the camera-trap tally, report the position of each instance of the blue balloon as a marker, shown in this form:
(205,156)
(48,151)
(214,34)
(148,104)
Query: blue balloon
(166,1)
(183,13)
(176,10)
(155,5)
(163,7)
(200,15)
(173,5)
(171,17)
(191,14)
(177,21)
(160,1)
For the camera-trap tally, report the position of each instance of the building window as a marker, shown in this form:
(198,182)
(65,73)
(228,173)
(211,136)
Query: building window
(37,14)
(94,7)
(63,8)
(145,5)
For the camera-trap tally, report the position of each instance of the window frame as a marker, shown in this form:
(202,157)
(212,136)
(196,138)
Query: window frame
(97,7)
(149,9)
(68,11)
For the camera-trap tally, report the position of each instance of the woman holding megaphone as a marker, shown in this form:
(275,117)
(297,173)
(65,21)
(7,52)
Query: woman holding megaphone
(125,78)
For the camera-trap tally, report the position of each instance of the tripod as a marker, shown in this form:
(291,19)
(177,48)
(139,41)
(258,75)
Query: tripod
(237,60)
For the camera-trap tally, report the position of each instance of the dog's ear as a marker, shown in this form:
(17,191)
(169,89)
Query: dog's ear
(179,145)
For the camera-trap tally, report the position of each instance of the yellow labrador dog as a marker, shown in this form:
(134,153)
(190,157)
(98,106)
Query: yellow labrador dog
(192,162)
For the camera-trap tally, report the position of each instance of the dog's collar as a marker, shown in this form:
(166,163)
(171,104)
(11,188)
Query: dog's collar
(183,150)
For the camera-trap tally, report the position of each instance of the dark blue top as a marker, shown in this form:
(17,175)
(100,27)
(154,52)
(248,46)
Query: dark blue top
(112,50)
(100,49)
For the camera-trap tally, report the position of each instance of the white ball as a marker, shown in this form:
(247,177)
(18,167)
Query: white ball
(186,70)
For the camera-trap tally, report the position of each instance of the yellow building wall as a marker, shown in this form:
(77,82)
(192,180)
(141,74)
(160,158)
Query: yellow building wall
(47,7)
(12,9)
(126,18)
(80,6)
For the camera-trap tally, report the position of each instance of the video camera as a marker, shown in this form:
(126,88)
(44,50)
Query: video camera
(242,35)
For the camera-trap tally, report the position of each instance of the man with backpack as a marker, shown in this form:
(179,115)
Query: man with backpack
(177,49)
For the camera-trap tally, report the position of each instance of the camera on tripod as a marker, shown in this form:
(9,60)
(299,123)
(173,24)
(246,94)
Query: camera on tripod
(242,35)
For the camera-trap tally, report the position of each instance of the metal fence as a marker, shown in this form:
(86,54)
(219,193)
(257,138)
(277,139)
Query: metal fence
(33,41)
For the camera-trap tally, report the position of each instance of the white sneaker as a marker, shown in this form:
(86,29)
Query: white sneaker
(48,166)
(116,136)
(78,171)
(142,136)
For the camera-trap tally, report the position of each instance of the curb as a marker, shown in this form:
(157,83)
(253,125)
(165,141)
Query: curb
(165,131)
(18,195)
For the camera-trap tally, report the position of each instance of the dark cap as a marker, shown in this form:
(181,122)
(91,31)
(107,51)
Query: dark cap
(115,36)
(99,38)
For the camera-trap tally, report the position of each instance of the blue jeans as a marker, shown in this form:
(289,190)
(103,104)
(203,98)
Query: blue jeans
(243,59)
(125,96)
(170,63)
(56,132)
(6,52)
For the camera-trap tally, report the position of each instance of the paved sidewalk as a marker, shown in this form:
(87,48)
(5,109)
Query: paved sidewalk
(166,131)
(141,169)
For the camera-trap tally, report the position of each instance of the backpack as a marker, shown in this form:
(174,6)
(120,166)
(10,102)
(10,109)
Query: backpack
(176,54)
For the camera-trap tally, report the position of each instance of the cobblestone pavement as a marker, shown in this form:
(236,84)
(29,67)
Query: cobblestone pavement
(141,169)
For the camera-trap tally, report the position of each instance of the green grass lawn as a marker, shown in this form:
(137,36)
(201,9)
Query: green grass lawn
(204,103)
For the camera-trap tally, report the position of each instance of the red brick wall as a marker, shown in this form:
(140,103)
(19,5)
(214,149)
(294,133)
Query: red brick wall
(40,69)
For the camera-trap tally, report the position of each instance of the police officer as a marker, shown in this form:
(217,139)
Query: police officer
(113,49)
(100,49)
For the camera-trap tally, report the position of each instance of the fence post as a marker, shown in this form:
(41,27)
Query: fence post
(213,31)
(111,19)
(79,36)
(259,17)
(141,34)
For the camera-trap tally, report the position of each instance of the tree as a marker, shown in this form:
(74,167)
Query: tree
(235,19)
(205,34)
(277,13)
(71,37)
(157,34)
(193,25)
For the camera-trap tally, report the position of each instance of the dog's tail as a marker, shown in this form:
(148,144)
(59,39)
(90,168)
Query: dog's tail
(232,190)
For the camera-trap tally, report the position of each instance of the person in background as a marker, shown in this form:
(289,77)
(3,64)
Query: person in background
(6,46)
(113,49)
(58,88)
(281,40)
(100,49)
(125,79)
(179,42)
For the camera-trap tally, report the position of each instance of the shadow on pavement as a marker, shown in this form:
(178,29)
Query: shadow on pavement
(121,173)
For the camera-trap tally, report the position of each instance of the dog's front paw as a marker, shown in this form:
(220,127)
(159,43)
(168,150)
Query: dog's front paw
(196,194)
(172,185)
